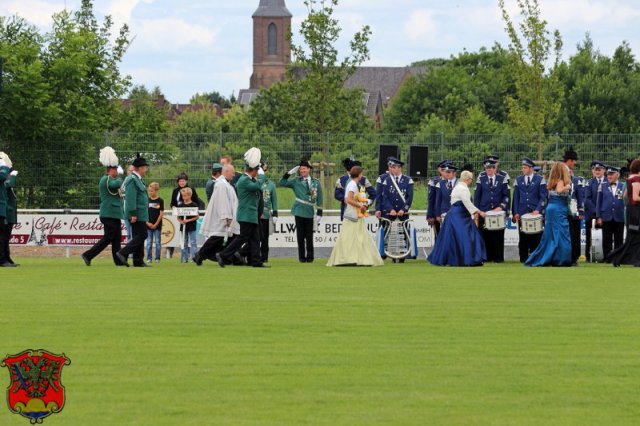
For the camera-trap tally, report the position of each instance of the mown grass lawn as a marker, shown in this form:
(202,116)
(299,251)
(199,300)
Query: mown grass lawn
(305,344)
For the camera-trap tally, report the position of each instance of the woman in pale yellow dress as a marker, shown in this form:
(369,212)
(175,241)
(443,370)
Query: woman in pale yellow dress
(354,247)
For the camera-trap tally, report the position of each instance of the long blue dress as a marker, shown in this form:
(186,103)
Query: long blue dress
(459,242)
(555,247)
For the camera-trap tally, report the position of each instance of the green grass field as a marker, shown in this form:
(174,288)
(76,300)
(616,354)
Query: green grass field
(305,344)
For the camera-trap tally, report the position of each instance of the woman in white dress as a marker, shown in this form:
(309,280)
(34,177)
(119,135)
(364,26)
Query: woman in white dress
(354,247)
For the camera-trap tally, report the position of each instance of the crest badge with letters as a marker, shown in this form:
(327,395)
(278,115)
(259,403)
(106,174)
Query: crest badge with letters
(35,390)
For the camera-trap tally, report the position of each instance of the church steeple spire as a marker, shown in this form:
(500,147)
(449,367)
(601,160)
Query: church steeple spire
(272,8)
(271,48)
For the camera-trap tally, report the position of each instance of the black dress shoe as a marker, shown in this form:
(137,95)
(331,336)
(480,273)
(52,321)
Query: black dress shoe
(122,259)
(261,265)
(7,265)
(87,261)
(141,265)
(303,260)
(240,258)
(220,260)
(309,260)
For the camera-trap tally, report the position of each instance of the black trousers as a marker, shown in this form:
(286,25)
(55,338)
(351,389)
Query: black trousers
(574,230)
(136,245)
(493,242)
(304,234)
(112,235)
(265,226)
(5,237)
(436,228)
(213,246)
(612,235)
(528,243)
(249,234)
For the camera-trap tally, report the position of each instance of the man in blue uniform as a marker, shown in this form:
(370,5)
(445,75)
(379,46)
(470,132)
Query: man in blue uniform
(396,193)
(492,194)
(500,172)
(443,191)
(432,189)
(610,211)
(529,196)
(341,185)
(590,199)
(570,158)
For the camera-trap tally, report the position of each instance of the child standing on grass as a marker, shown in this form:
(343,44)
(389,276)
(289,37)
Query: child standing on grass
(188,225)
(154,225)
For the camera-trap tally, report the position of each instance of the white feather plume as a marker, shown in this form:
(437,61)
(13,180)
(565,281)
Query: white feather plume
(108,157)
(252,157)
(6,159)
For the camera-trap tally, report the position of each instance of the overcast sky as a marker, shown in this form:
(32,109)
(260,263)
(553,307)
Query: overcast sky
(191,46)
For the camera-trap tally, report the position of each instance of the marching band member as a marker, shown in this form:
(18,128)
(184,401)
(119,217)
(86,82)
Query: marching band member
(396,194)
(590,199)
(499,171)
(432,189)
(570,158)
(629,253)
(341,185)
(529,196)
(492,193)
(8,211)
(610,211)
(136,209)
(110,208)
(443,192)
(308,193)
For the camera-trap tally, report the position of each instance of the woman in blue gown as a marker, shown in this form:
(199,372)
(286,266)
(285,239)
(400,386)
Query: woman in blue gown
(555,247)
(459,241)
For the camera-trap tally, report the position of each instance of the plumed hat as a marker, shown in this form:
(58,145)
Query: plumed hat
(108,157)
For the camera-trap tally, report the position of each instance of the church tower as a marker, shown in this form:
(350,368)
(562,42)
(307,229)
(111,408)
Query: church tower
(271,49)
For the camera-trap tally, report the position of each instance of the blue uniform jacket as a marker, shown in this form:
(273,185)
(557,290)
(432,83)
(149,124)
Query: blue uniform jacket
(443,197)
(489,197)
(610,208)
(341,186)
(591,198)
(529,198)
(379,181)
(432,189)
(390,199)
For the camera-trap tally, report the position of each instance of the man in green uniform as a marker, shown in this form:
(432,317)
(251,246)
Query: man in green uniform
(6,213)
(248,188)
(269,214)
(136,209)
(110,215)
(308,193)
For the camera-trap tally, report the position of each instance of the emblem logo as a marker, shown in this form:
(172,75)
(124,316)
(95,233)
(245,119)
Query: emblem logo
(36,390)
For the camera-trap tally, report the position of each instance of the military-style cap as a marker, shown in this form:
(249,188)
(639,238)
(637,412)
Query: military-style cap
(528,162)
(305,163)
(489,162)
(611,169)
(393,161)
(596,164)
(492,158)
(450,167)
(443,163)
(537,169)
(139,161)
(217,167)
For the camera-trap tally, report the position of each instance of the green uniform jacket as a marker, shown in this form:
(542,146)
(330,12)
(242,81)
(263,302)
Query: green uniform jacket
(136,200)
(208,189)
(248,191)
(12,201)
(270,199)
(4,172)
(312,196)
(110,201)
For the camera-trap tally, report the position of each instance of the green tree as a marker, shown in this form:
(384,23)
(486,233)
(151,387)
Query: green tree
(58,94)
(143,111)
(536,104)
(313,99)
(215,98)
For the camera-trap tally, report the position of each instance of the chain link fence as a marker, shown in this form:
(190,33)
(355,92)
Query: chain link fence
(64,174)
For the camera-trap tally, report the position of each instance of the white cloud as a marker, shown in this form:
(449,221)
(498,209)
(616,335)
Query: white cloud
(37,12)
(171,34)
(421,26)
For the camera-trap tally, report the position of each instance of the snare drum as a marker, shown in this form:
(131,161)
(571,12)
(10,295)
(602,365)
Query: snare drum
(531,223)
(597,252)
(495,221)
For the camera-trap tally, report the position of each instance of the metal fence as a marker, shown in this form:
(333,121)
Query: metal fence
(64,174)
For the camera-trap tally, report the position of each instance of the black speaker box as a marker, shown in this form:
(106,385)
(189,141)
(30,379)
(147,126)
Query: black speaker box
(418,160)
(384,152)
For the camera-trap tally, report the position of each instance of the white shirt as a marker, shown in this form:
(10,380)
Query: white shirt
(223,206)
(351,187)
(461,193)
